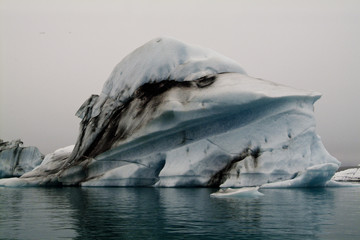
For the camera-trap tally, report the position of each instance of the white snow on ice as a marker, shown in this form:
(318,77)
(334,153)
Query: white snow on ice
(348,175)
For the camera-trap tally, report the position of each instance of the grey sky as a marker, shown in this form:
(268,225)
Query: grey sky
(55,54)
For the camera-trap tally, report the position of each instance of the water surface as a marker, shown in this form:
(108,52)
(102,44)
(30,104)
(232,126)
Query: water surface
(177,213)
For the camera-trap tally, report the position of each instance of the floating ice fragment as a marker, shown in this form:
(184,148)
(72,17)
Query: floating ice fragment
(237,192)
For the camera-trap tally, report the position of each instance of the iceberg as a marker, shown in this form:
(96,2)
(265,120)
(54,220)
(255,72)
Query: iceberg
(178,115)
(348,175)
(315,176)
(16,160)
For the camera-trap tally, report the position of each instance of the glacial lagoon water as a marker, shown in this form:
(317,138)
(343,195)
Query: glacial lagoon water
(178,213)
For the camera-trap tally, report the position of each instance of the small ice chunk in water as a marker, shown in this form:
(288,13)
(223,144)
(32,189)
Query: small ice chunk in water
(237,192)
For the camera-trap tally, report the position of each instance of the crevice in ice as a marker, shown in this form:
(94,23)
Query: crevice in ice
(205,81)
(221,176)
(220,147)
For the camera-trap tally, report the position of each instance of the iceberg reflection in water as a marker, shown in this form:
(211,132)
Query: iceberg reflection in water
(184,213)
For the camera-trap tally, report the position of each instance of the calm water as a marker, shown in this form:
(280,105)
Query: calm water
(148,213)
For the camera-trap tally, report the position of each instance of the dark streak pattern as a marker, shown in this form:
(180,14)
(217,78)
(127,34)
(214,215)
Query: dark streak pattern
(221,176)
(99,134)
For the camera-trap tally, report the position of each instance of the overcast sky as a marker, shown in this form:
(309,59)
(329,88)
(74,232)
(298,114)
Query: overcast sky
(55,54)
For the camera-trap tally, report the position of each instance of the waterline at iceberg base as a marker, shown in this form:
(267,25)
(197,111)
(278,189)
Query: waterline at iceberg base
(176,115)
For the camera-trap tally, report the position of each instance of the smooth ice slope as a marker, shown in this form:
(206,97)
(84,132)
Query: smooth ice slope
(315,176)
(175,115)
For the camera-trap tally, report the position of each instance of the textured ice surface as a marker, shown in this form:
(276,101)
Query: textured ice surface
(43,175)
(348,175)
(237,131)
(174,115)
(16,160)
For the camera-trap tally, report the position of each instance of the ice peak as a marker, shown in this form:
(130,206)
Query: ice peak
(164,58)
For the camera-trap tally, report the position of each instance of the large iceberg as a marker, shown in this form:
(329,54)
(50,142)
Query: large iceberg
(173,115)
